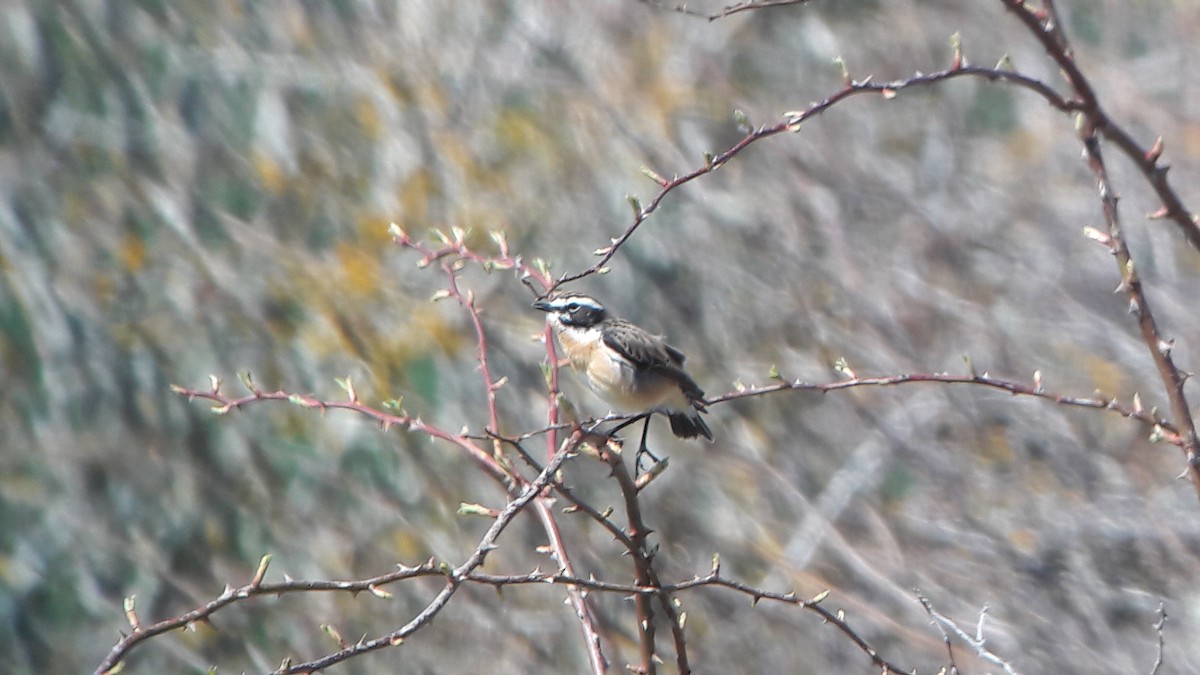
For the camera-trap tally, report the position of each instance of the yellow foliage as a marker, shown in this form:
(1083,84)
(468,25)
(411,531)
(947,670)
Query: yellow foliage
(372,229)
(1105,374)
(407,546)
(415,193)
(431,324)
(269,172)
(359,268)
(368,118)
(132,252)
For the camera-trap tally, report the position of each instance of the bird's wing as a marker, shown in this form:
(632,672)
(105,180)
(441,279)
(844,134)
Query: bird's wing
(641,348)
(651,352)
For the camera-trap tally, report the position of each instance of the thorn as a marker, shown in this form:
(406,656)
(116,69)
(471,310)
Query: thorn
(1155,152)
(1097,236)
(1165,346)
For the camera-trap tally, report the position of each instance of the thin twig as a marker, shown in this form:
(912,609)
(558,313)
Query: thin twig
(1139,305)
(726,11)
(1160,426)
(1158,629)
(454,578)
(1047,28)
(977,642)
(793,121)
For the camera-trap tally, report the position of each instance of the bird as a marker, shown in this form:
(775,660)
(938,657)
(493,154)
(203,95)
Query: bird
(627,366)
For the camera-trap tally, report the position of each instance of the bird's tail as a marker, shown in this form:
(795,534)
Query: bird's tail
(689,424)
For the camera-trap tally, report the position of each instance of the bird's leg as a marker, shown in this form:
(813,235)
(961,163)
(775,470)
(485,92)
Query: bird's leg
(626,423)
(642,450)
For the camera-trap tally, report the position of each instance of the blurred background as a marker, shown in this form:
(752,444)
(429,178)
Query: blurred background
(195,187)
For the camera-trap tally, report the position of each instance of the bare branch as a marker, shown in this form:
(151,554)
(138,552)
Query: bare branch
(1158,630)
(1139,305)
(729,10)
(1047,28)
(794,120)
(977,642)
(454,578)
(1161,428)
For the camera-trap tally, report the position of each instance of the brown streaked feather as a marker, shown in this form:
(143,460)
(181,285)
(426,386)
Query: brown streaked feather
(651,352)
(641,348)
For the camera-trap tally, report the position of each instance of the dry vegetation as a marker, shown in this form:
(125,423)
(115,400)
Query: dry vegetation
(191,187)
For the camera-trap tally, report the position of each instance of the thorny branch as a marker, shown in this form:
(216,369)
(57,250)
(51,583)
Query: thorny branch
(1161,429)
(792,122)
(1047,28)
(1045,25)
(454,579)
(647,587)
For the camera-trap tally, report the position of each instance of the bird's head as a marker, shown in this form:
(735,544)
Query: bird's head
(571,309)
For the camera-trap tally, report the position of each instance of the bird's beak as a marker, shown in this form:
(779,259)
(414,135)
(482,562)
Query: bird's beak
(542,305)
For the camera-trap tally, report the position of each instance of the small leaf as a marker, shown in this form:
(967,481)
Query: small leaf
(841,64)
(742,122)
(1097,236)
(347,386)
(654,176)
(1157,434)
(842,367)
(468,509)
(261,572)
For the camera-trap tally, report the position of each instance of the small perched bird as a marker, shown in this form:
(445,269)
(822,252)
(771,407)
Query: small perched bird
(625,365)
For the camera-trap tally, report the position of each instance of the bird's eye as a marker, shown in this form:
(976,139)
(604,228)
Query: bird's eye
(573,307)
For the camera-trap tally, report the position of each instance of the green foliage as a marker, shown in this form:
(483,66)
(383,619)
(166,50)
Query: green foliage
(194,187)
